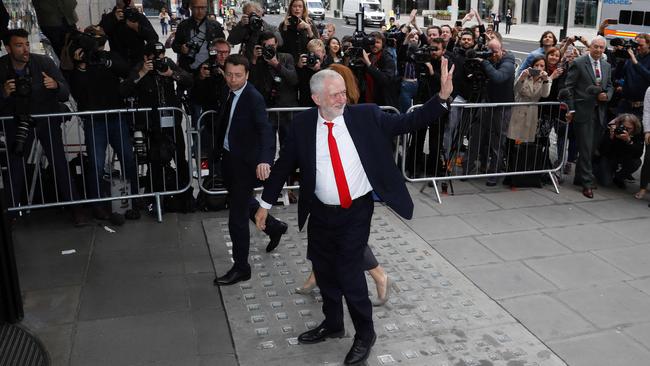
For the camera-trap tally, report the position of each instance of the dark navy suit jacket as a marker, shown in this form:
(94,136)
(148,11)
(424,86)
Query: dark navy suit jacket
(372,132)
(251,137)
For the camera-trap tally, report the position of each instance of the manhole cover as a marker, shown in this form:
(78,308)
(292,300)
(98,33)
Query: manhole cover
(20,348)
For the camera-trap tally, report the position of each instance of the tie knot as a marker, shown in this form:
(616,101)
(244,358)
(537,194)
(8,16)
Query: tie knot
(329,124)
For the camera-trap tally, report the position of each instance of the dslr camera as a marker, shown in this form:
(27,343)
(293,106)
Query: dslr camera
(268,52)
(293,22)
(23,120)
(255,23)
(159,64)
(194,46)
(312,59)
(23,86)
(620,129)
(130,14)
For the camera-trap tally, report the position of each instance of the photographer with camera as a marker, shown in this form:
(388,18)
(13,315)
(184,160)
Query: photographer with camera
(209,81)
(379,83)
(635,75)
(194,35)
(93,67)
(128,31)
(620,150)
(33,84)
(250,27)
(297,29)
(153,83)
(499,69)
(307,65)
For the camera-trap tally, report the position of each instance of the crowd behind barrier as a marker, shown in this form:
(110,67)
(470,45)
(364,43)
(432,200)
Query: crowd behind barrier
(578,114)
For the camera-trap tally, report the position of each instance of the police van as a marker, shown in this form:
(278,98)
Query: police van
(626,18)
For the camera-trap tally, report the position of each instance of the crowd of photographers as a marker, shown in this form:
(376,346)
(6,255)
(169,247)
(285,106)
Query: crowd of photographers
(398,66)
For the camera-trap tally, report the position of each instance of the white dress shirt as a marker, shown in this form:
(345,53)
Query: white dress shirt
(237,92)
(326,190)
(593,64)
(358,184)
(646,112)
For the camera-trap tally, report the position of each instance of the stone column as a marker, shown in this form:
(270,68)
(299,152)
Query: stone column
(543,11)
(572,14)
(518,11)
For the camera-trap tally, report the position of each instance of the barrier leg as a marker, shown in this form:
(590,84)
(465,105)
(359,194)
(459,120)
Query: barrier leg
(437,192)
(158,208)
(553,179)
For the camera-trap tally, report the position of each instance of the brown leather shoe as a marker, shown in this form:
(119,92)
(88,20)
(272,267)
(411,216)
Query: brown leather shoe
(587,192)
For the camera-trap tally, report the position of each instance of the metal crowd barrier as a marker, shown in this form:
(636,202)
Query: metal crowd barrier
(207,127)
(69,150)
(484,140)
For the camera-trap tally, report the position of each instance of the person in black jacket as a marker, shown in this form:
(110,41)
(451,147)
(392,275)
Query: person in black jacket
(380,81)
(95,67)
(33,84)
(128,31)
(306,66)
(153,88)
(620,150)
(297,29)
(194,35)
(250,27)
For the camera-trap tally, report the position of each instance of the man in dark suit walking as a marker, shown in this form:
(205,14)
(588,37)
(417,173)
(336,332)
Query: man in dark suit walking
(589,83)
(345,153)
(248,152)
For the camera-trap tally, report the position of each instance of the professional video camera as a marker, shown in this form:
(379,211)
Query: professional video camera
(255,22)
(420,55)
(392,39)
(622,45)
(360,42)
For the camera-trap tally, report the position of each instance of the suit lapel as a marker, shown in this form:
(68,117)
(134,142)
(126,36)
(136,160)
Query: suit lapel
(311,143)
(590,69)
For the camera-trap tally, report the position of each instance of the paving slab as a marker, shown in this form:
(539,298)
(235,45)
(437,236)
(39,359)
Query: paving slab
(583,238)
(560,215)
(143,233)
(640,332)
(136,261)
(500,222)
(547,317)
(643,285)
(50,307)
(434,316)
(635,230)
(105,297)
(424,207)
(609,306)
(618,209)
(576,270)
(142,339)
(521,245)
(464,252)
(635,261)
(508,279)
(441,227)
(464,204)
(517,198)
(601,349)
(58,343)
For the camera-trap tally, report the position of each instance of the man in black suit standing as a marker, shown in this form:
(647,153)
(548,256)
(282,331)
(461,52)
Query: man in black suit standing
(589,84)
(344,153)
(248,152)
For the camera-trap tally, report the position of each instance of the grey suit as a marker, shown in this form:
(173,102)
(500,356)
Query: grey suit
(589,117)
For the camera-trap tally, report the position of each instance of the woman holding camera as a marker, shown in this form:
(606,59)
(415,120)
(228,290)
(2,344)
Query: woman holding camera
(532,84)
(297,29)
(621,146)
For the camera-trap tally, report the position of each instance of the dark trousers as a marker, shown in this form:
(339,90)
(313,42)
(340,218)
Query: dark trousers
(645,169)
(338,240)
(240,180)
(588,136)
(496,26)
(487,140)
(177,153)
(49,134)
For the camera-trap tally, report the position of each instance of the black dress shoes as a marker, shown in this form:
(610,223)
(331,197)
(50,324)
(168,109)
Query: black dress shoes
(232,277)
(360,351)
(320,334)
(587,192)
(275,237)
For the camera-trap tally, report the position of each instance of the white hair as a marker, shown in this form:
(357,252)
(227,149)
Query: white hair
(317,81)
(599,38)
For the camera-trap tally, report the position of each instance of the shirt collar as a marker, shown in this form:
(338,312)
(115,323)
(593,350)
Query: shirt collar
(337,121)
(592,60)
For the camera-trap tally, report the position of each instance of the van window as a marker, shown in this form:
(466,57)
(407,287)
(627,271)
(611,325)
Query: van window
(646,22)
(314,4)
(624,17)
(371,7)
(637,18)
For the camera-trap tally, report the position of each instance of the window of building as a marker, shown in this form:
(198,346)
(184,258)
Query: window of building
(531,11)
(555,15)
(586,13)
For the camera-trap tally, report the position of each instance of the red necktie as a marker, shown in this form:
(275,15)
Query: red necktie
(339,174)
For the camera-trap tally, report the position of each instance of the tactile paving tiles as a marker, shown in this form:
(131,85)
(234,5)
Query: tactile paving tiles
(435,316)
